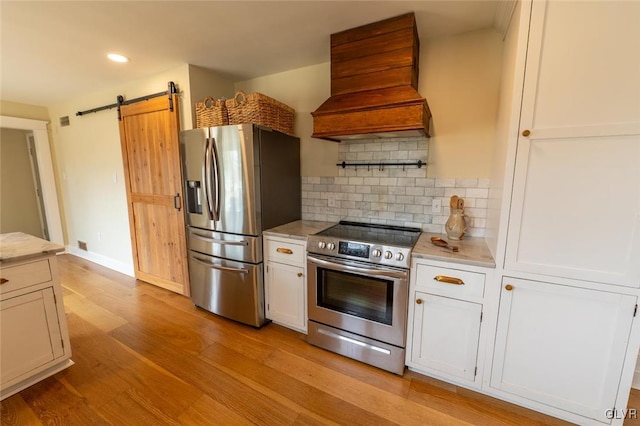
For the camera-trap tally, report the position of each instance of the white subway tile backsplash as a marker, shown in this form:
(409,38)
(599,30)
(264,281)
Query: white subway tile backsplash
(394,195)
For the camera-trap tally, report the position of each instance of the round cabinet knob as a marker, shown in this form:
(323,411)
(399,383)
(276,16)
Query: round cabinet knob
(526,132)
(299,274)
(399,256)
(376,253)
(388,255)
(322,244)
(419,301)
(508,287)
(331,246)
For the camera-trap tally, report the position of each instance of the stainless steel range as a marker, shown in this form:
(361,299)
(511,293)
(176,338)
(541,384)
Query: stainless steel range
(358,290)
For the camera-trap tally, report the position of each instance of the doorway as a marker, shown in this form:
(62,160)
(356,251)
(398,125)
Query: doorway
(37,131)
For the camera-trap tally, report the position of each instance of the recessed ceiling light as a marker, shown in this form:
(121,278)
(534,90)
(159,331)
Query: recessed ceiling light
(117,58)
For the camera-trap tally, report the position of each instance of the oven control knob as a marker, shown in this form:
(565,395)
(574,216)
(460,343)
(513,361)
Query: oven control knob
(399,256)
(377,253)
(388,255)
(331,246)
(322,244)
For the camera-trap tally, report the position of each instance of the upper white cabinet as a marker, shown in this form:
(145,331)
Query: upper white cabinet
(568,265)
(575,208)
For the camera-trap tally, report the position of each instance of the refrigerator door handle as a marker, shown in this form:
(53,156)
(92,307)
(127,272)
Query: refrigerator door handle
(213,152)
(217,241)
(221,268)
(207,179)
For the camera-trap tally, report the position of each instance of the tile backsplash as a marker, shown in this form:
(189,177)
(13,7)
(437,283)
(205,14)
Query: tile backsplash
(393,195)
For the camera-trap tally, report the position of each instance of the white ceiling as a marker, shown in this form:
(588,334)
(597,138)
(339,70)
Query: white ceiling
(53,51)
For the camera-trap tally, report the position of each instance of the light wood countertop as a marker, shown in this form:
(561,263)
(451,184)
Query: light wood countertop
(17,246)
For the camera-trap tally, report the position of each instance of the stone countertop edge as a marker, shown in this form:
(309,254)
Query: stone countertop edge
(299,229)
(16,246)
(473,251)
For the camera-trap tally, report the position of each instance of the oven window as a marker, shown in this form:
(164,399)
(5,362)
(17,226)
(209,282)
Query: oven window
(364,297)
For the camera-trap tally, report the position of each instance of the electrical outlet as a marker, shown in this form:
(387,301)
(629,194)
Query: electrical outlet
(436,205)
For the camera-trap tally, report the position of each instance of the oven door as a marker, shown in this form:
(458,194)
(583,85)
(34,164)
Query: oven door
(361,298)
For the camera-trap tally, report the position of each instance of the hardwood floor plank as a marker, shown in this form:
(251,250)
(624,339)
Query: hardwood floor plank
(95,314)
(375,400)
(54,404)
(254,406)
(145,355)
(132,408)
(307,397)
(14,411)
(449,398)
(207,411)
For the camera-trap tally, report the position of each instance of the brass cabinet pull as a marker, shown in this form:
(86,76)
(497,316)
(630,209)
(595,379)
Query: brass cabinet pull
(299,274)
(3,280)
(526,132)
(508,287)
(448,280)
(419,301)
(284,250)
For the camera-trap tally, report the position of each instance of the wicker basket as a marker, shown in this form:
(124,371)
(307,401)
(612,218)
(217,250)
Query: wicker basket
(211,112)
(257,108)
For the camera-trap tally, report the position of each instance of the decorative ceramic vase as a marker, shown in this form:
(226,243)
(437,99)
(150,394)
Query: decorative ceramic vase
(456,226)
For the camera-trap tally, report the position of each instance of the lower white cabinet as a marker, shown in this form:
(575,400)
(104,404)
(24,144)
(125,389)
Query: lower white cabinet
(445,335)
(35,340)
(285,282)
(444,324)
(562,346)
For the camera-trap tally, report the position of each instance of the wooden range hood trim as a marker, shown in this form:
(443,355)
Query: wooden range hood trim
(373,83)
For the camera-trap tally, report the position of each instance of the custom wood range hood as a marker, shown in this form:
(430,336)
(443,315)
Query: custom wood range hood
(374,81)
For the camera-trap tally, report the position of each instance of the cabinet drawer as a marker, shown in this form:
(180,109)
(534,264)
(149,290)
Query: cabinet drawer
(454,283)
(285,252)
(24,275)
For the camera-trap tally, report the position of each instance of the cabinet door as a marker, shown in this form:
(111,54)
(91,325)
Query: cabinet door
(31,335)
(576,196)
(286,295)
(445,335)
(562,346)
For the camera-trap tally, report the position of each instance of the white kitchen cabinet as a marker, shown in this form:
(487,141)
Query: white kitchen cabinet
(575,209)
(444,325)
(568,232)
(35,340)
(562,346)
(285,282)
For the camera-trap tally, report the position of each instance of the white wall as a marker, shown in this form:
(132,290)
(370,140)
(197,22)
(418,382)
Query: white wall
(509,107)
(18,203)
(15,109)
(90,171)
(460,77)
(204,83)
(303,89)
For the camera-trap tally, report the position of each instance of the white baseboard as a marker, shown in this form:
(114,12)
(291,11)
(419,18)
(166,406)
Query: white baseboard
(105,261)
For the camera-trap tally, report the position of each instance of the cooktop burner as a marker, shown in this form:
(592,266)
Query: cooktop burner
(373,233)
(380,244)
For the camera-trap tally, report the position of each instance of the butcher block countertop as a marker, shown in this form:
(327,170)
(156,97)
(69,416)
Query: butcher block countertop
(472,251)
(20,246)
(299,229)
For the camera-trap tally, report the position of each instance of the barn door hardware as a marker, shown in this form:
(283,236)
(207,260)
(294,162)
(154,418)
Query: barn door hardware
(171,90)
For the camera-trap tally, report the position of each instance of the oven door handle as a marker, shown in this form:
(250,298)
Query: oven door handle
(340,266)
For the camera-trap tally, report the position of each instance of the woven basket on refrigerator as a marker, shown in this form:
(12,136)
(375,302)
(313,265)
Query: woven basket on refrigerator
(211,112)
(256,108)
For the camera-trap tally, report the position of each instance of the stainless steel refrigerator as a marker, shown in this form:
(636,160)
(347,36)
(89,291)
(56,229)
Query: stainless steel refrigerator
(239,180)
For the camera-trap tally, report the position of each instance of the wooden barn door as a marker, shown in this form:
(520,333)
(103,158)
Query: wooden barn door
(149,134)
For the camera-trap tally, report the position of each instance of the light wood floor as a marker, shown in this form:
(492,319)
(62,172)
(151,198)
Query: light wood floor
(146,356)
